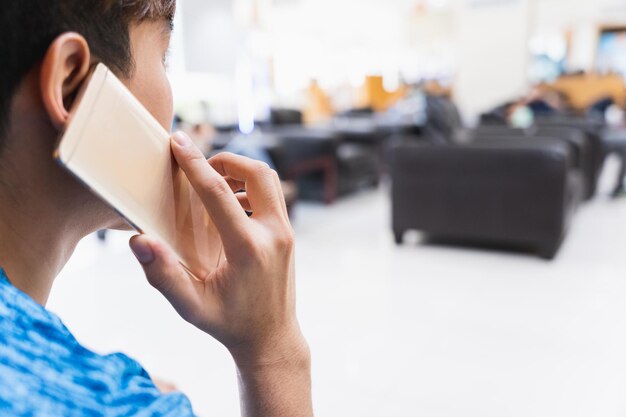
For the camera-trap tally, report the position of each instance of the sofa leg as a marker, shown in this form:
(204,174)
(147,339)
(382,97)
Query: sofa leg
(548,252)
(399,237)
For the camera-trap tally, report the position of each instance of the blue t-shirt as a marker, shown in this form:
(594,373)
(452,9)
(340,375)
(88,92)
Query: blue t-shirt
(44,371)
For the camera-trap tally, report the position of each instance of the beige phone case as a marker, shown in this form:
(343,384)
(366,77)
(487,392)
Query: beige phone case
(119,150)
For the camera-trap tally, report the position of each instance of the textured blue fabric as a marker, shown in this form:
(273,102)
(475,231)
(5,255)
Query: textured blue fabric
(44,371)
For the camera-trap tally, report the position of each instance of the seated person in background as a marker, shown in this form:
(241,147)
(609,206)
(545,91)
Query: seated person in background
(545,101)
(48,48)
(599,108)
(541,101)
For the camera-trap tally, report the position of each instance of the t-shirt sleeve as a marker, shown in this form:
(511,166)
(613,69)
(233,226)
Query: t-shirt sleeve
(152,404)
(46,372)
(136,394)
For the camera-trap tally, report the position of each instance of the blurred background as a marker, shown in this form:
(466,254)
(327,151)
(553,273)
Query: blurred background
(454,171)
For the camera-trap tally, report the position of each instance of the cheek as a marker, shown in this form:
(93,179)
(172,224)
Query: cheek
(155,93)
(167,104)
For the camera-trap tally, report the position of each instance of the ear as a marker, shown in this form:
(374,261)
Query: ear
(63,70)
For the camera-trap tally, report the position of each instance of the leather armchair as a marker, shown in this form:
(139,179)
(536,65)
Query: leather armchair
(515,193)
(324,163)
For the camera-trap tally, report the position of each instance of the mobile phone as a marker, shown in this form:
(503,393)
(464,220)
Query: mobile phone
(116,148)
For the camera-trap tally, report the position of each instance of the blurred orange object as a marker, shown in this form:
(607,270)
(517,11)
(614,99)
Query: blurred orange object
(373,94)
(319,107)
(584,90)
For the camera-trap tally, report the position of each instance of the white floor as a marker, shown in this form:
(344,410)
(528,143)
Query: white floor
(410,331)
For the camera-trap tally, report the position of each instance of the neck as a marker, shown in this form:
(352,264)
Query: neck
(34,247)
(44,211)
(43,215)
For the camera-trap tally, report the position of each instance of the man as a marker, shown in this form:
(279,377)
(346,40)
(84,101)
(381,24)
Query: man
(47,48)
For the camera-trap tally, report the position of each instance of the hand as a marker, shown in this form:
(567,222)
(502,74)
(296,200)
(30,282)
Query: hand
(248,303)
(164,386)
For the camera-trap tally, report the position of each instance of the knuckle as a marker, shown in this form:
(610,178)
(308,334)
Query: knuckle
(248,250)
(262,169)
(196,157)
(285,240)
(254,248)
(259,253)
(216,187)
(226,155)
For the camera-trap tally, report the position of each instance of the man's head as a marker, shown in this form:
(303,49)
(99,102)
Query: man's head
(29,27)
(47,48)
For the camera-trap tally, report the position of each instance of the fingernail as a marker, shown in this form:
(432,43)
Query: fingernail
(143,253)
(182,139)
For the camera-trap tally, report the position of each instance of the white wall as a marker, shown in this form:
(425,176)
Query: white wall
(493,53)
(212,37)
(202,59)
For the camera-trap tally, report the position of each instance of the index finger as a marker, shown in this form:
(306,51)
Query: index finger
(219,200)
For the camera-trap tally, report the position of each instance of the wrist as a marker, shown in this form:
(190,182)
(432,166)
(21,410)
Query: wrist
(289,349)
(276,382)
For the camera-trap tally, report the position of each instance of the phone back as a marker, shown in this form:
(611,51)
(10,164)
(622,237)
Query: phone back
(122,153)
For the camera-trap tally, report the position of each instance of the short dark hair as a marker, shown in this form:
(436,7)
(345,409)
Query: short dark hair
(28,27)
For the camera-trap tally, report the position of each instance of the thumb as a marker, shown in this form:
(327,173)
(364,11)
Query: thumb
(166,274)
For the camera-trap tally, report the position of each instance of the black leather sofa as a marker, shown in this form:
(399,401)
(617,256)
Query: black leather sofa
(495,185)
(516,193)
